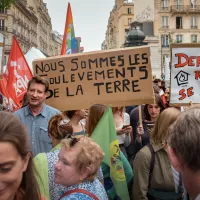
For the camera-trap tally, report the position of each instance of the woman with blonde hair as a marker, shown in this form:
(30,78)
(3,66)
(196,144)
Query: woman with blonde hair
(76,169)
(58,129)
(153,177)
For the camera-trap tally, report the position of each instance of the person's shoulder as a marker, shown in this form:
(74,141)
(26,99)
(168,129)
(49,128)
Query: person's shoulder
(144,155)
(52,109)
(20,111)
(77,196)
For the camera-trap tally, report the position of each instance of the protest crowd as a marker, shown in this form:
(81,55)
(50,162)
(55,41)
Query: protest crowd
(97,126)
(46,153)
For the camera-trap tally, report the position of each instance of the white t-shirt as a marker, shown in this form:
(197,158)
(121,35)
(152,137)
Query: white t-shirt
(124,138)
(198,197)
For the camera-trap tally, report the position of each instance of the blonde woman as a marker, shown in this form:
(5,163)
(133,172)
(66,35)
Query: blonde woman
(78,163)
(152,169)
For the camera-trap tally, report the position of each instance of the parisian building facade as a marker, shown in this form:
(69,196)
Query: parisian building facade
(30,22)
(121,16)
(169,21)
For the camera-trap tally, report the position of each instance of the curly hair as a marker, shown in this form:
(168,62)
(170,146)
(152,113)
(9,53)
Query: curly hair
(90,154)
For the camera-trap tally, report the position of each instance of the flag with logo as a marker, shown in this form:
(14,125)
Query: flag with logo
(105,136)
(69,45)
(16,76)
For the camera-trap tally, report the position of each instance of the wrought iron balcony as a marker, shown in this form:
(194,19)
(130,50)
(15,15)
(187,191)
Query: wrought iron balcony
(165,27)
(165,9)
(178,9)
(194,9)
(179,27)
(165,45)
(3,11)
(193,27)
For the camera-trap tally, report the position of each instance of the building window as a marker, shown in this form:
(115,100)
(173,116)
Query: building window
(193,38)
(179,2)
(165,41)
(164,21)
(193,20)
(179,39)
(129,10)
(179,23)
(164,4)
(129,20)
(2,24)
(193,3)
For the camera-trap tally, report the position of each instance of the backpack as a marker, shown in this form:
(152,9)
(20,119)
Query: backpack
(159,194)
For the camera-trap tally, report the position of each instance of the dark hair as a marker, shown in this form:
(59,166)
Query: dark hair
(57,129)
(157,80)
(159,102)
(24,101)
(1,98)
(39,80)
(12,131)
(69,113)
(96,111)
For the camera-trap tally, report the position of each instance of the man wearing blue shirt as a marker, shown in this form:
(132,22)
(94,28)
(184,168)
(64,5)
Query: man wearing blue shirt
(36,115)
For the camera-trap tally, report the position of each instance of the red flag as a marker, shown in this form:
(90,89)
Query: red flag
(17,75)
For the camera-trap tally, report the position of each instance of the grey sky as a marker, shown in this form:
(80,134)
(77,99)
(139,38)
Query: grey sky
(90,19)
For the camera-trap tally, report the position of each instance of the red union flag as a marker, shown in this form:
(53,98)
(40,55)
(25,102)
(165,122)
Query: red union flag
(17,75)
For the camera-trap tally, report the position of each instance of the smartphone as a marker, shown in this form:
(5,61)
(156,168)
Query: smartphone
(125,126)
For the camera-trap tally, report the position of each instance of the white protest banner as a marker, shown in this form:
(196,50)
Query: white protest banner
(185,74)
(113,77)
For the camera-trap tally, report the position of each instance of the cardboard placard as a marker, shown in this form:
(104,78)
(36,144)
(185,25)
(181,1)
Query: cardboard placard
(114,77)
(185,74)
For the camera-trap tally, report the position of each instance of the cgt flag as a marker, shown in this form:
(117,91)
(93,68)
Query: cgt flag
(69,45)
(17,75)
(105,136)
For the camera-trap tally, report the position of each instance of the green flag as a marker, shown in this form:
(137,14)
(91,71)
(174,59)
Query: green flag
(105,136)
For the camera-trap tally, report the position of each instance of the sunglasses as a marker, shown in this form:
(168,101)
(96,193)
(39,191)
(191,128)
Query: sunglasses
(73,140)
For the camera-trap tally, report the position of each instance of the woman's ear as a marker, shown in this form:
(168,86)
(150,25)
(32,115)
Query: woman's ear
(175,159)
(25,161)
(85,173)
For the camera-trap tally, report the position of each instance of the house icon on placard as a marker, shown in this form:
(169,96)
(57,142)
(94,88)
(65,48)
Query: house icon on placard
(182,78)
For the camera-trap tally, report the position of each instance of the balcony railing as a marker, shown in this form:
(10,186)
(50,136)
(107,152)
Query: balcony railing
(193,27)
(165,45)
(165,27)
(194,9)
(179,41)
(3,11)
(185,9)
(165,8)
(179,27)
(3,28)
(179,9)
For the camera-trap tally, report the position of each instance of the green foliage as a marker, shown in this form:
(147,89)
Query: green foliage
(5,4)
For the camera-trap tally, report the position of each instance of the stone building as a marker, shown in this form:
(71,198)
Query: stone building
(171,21)
(121,16)
(30,22)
